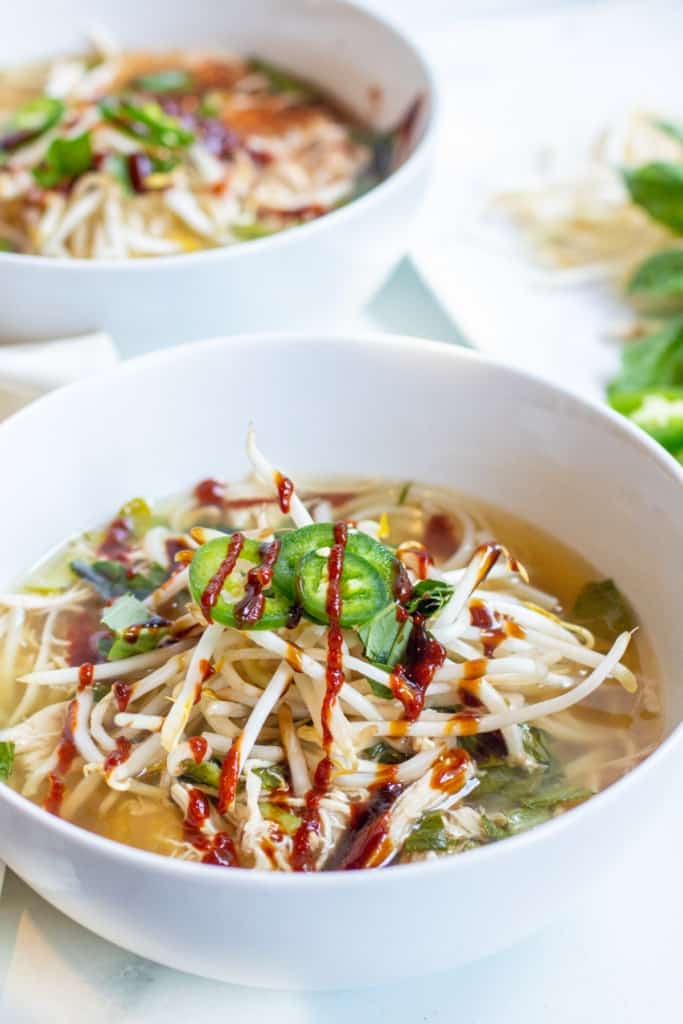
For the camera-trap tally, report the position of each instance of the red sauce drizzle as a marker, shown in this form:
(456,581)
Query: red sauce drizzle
(441,536)
(215,584)
(82,635)
(250,609)
(218,849)
(210,492)
(334,672)
(66,752)
(424,656)
(367,842)
(449,769)
(198,747)
(116,543)
(403,588)
(285,490)
(85,675)
(118,756)
(122,694)
(230,773)
(302,855)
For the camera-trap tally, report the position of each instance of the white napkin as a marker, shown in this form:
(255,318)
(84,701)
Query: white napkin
(27,371)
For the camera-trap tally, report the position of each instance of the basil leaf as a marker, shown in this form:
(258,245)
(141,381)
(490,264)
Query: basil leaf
(658,189)
(111,579)
(602,608)
(654,362)
(384,638)
(125,612)
(660,276)
(429,834)
(429,597)
(281,81)
(556,793)
(170,80)
(380,690)
(383,753)
(6,759)
(65,160)
(271,776)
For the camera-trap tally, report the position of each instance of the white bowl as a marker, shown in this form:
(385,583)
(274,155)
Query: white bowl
(305,276)
(393,406)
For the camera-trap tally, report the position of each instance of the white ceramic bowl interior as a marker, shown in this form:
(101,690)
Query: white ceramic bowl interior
(293,278)
(392,406)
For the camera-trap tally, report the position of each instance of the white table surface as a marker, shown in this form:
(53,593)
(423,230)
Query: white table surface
(614,961)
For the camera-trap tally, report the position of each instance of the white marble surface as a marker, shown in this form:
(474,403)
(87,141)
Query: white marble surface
(614,961)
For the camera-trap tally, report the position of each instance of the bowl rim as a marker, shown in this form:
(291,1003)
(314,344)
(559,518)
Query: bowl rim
(132,857)
(384,188)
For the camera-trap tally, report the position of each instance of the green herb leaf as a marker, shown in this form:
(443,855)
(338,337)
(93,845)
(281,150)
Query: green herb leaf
(65,160)
(383,753)
(429,834)
(6,245)
(535,742)
(429,597)
(602,608)
(404,492)
(658,189)
(384,638)
(100,690)
(281,81)
(380,690)
(146,638)
(674,129)
(6,759)
(206,773)
(126,611)
(654,362)
(289,823)
(170,80)
(660,276)
(492,830)
(271,776)
(111,579)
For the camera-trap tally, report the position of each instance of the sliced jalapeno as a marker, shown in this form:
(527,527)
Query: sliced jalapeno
(29,121)
(296,544)
(147,122)
(363,591)
(203,569)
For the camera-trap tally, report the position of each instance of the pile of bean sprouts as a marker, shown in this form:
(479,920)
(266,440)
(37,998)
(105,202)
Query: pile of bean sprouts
(581,221)
(263,691)
(290,157)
